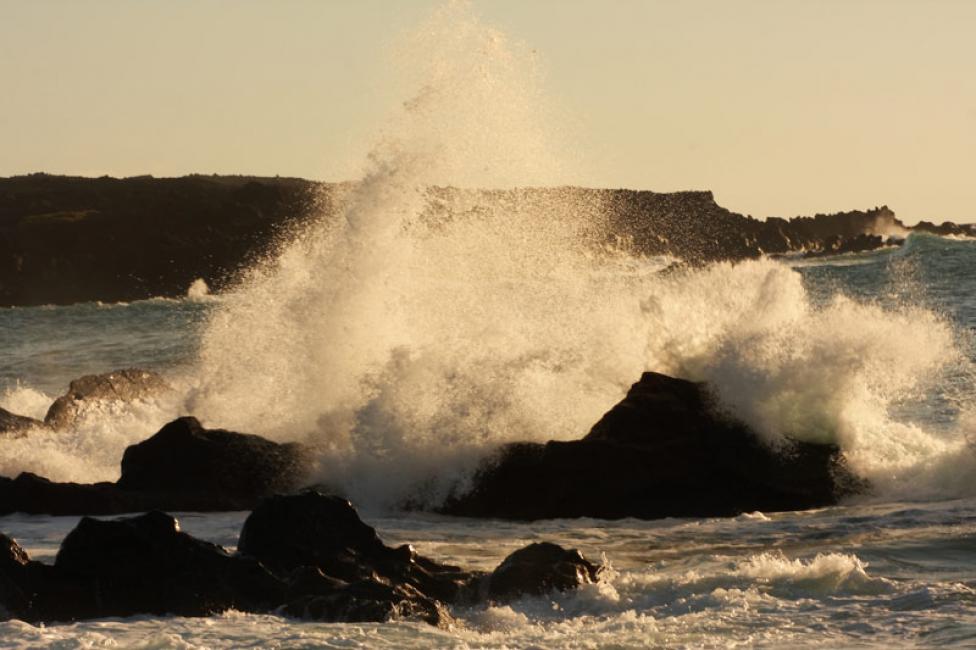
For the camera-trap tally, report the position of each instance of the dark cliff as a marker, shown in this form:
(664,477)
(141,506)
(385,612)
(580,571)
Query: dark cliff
(69,239)
(65,239)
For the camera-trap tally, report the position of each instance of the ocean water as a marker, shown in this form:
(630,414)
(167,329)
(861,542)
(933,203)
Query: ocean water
(893,568)
(406,337)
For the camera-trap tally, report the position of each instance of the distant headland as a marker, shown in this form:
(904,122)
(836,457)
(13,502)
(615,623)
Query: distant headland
(66,239)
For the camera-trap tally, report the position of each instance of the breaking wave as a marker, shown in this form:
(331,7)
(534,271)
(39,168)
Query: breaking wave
(426,325)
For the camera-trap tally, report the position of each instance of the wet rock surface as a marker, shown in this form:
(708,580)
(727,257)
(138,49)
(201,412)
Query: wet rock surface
(116,386)
(664,451)
(325,532)
(306,555)
(540,568)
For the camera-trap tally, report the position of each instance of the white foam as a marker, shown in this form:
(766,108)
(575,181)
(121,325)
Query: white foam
(26,401)
(198,289)
(91,448)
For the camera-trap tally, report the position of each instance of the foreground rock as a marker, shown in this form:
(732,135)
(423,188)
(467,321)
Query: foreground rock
(182,467)
(664,451)
(307,555)
(117,386)
(325,532)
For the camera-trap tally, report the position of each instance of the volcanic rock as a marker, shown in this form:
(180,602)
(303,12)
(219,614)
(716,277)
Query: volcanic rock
(323,563)
(69,239)
(837,245)
(538,569)
(325,532)
(185,458)
(117,386)
(33,494)
(664,451)
(146,565)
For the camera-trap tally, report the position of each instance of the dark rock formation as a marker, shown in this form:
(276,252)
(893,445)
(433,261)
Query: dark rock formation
(146,565)
(68,239)
(664,451)
(185,458)
(946,228)
(14,603)
(324,532)
(837,245)
(538,569)
(65,239)
(307,555)
(34,494)
(182,467)
(15,426)
(117,386)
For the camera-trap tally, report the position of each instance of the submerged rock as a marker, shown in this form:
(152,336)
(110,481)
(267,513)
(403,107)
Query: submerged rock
(307,555)
(117,386)
(664,451)
(16,426)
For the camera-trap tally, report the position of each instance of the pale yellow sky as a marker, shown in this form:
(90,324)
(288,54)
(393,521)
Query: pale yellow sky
(779,107)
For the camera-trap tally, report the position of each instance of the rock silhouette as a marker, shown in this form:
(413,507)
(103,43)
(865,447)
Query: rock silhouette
(307,555)
(664,451)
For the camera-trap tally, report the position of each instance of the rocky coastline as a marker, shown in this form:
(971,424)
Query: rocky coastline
(68,239)
(666,450)
(306,556)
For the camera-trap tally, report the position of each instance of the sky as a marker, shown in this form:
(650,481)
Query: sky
(779,107)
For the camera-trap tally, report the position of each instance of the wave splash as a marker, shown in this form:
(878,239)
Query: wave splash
(410,337)
(427,326)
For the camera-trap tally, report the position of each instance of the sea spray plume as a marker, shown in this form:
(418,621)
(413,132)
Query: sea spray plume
(428,325)
(425,322)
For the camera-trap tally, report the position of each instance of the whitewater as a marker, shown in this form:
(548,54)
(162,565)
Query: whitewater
(408,336)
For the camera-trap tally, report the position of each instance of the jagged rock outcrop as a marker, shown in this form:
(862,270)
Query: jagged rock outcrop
(836,245)
(116,386)
(324,532)
(664,451)
(182,467)
(306,555)
(946,228)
